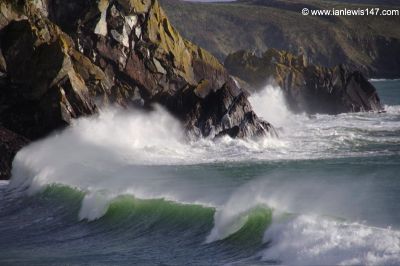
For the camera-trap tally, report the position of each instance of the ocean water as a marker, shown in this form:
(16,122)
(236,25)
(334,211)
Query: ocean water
(126,188)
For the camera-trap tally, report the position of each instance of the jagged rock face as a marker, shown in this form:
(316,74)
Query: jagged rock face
(40,90)
(307,88)
(60,60)
(147,61)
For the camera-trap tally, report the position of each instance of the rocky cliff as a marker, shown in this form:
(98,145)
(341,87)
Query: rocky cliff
(368,43)
(60,60)
(307,87)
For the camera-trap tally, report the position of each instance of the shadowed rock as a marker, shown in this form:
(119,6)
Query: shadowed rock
(60,60)
(10,144)
(148,61)
(307,88)
(40,90)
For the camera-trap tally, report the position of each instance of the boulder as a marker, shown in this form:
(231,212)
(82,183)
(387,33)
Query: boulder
(307,87)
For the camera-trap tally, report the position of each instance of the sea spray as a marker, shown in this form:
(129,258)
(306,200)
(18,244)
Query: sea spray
(128,187)
(94,205)
(128,152)
(101,152)
(392,109)
(293,192)
(118,153)
(270,104)
(313,240)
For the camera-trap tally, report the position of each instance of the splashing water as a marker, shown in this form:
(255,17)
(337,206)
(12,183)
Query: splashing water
(310,240)
(270,104)
(329,182)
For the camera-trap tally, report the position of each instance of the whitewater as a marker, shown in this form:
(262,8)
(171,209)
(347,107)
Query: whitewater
(126,187)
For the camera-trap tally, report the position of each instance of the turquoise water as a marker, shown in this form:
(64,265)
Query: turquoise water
(129,188)
(388,91)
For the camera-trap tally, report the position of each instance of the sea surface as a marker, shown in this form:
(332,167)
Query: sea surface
(126,188)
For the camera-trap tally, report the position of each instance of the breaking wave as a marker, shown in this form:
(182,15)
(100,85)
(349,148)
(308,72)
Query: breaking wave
(135,178)
(310,240)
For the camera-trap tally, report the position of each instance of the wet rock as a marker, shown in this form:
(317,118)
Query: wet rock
(10,144)
(207,116)
(307,87)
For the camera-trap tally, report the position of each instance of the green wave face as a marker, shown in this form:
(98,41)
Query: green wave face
(250,235)
(130,225)
(146,215)
(158,214)
(117,201)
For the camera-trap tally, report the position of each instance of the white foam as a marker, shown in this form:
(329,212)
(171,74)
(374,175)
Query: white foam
(383,80)
(312,240)
(392,109)
(293,192)
(270,104)
(232,215)
(104,157)
(108,152)
(94,205)
(125,152)
(4,182)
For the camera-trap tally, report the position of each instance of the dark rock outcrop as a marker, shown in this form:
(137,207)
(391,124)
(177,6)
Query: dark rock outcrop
(60,60)
(145,61)
(307,88)
(10,144)
(40,90)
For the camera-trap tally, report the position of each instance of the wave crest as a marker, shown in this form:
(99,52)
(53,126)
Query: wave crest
(311,240)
